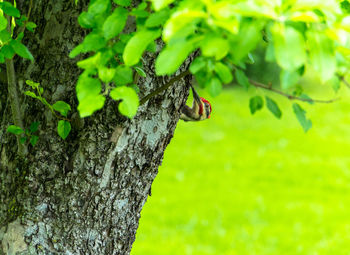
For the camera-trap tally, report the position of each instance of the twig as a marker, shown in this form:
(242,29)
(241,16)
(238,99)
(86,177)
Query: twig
(164,87)
(14,99)
(28,16)
(14,102)
(289,96)
(30,8)
(342,78)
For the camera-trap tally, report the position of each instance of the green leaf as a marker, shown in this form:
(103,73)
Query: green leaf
(63,129)
(137,45)
(3,22)
(245,41)
(34,126)
(118,47)
(289,47)
(273,107)
(170,59)
(33,140)
(88,94)
(304,96)
(130,103)
(93,42)
(99,7)
(202,77)
(270,53)
(160,4)
(230,24)
(242,79)
(33,84)
(8,51)
(107,55)
(15,130)
(9,9)
(214,87)
(300,114)
(115,23)
(335,83)
(20,22)
(256,103)
(289,79)
(140,71)
(223,72)
(31,94)
(139,14)
(125,37)
(91,62)
(214,46)
(345,5)
(106,74)
(86,20)
(123,75)
(31,26)
(197,64)
(181,20)
(157,19)
(142,6)
(5,36)
(76,51)
(21,50)
(124,3)
(322,54)
(20,36)
(62,107)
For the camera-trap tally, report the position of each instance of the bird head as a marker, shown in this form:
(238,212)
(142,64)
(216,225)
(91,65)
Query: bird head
(207,108)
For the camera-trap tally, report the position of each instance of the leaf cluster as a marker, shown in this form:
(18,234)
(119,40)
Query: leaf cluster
(110,68)
(10,41)
(297,35)
(63,125)
(27,135)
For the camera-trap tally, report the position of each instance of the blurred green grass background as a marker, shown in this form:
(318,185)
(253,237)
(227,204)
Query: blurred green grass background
(242,185)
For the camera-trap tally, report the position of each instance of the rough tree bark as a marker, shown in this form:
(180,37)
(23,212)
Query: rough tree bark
(82,195)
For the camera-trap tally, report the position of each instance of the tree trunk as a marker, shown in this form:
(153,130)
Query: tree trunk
(82,195)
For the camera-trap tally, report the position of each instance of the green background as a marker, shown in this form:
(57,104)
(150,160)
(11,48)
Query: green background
(242,184)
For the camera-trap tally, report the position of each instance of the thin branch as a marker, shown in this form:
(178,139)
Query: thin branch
(28,16)
(342,78)
(30,9)
(289,96)
(164,87)
(14,99)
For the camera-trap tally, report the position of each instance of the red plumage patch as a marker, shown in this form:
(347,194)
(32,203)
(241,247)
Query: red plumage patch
(200,111)
(201,106)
